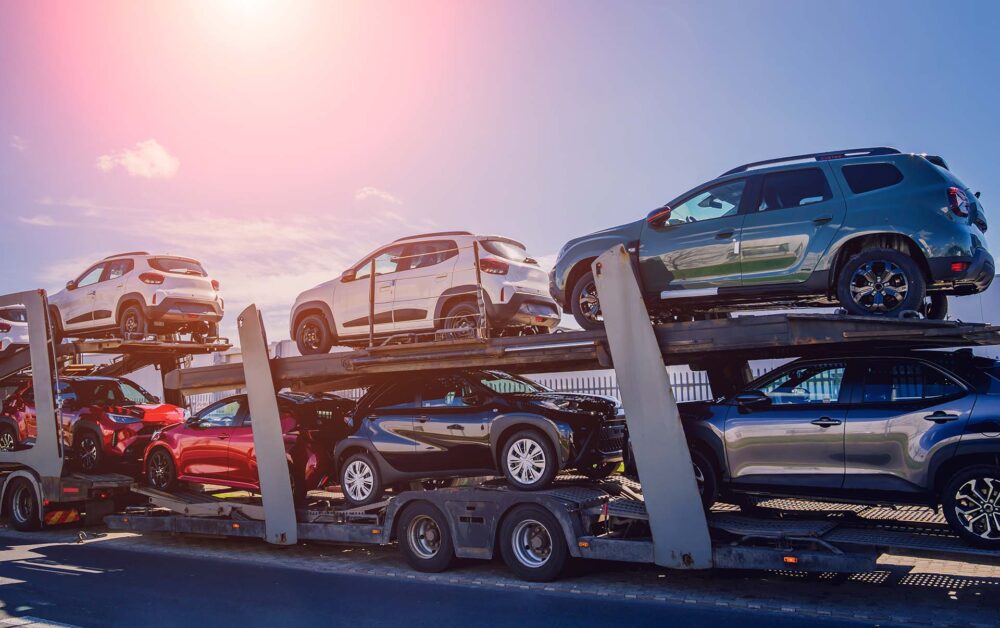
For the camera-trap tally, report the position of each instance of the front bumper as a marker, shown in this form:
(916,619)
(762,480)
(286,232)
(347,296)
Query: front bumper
(179,310)
(525,309)
(975,277)
(127,442)
(607,445)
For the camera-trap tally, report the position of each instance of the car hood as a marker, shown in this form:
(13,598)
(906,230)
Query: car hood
(567,403)
(627,232)
(159,413)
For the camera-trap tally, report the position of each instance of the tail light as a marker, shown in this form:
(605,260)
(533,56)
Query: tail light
(215,285)
(4,328)
(958,202)
(493,266)
(154,279)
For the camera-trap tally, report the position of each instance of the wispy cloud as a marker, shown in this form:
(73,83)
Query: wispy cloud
(373,192)
(147,159)
(86,207)
(40,220)
(17,143)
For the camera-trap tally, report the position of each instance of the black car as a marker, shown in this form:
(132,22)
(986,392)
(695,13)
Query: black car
(471,424)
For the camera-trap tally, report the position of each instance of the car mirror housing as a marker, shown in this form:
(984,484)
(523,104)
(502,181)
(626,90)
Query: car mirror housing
(658,216)
(71,285)
(751,399)
(348,275)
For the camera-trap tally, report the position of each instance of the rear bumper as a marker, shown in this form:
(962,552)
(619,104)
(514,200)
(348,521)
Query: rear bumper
(177,310)
(975,275)
(525,309)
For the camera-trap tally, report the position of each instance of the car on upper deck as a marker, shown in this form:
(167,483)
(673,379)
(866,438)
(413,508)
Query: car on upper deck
(13,326)
(874,230)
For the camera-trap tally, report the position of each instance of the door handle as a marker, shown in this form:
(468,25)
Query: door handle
(940,417)
(826,421)
(222,436)
(423,419)
(724,235)
(92,293)
(822,220)
(441,277)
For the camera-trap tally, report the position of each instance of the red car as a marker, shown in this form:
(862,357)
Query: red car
(104,419)
(216,445)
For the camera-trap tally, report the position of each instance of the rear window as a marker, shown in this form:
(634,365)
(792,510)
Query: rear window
(794,188)
(507,249)
(177,265)
(868,177)
(14,314)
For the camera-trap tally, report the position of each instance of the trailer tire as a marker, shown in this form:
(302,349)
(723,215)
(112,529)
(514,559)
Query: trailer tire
(526,444)
(425,538)
(962,493)
(532,544)
(356,474)
(22,505)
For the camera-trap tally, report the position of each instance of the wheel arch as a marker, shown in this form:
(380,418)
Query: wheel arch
(562,517)
(129,299)
(955,464)
(452,296)
(505,426)
(152,449)
(888,240)
(579,269)
(312,307)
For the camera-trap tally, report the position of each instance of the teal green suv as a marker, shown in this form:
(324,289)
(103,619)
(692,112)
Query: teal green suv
(874,230)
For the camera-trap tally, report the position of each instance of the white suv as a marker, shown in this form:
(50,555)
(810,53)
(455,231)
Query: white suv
(135,294)
(13,326)
(425,284)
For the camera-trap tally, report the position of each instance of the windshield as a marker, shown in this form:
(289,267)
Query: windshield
(507,249)
(507,384)
(14,314)
(177,265)
(111,392)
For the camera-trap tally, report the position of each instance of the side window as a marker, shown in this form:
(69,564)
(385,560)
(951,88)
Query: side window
(427,254)
(387,261)
(445,392)
(119,267)
(715,202)
(863,178)
(65,393)
(133,393)
(397,397)
(223,415)
(807,384)
(907,382)
(92,276)
(794,188)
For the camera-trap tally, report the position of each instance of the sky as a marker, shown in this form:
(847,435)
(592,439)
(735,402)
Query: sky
(278,141)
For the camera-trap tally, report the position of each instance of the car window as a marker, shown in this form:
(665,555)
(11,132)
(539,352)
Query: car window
(397,397)
(806,384)
(65,393)
(446,392)
(794,188)
(177,265)
(507,249)
(225,414)
(902,382)
(868,177)
(715,202)
(505,383)
(14,314)
(387,261)
(119,267)
(427,254)
(92,276)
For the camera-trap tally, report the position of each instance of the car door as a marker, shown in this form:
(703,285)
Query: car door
(109,290)
(389,420)
(694,251)
(909,411)
(205,453)
(795,437)
(426,272)
(77,311)
(452,427)
(790,225)
(352,297)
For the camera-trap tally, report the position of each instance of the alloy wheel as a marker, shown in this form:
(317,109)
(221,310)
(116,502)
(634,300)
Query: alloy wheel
(158,470)
(311,336)
(531,543)
(424,537)
(526,460)
(6,441)
(699,477)
(131,324)
(977,504)
(590,305)
(879,286)
(88,452)
(358,481)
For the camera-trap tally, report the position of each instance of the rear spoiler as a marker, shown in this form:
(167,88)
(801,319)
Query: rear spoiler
(937,161)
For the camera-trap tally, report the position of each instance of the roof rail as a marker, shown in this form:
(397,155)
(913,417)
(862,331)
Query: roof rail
(128,253)
(835,154)
(436,233)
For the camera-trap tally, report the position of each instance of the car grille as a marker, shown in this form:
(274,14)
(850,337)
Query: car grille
(612,438)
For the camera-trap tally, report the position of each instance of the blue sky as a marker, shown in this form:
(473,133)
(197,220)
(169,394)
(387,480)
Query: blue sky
(279,147)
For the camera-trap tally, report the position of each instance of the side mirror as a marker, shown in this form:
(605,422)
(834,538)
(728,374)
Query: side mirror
(71,285)
(658,216)
(751,399)
(977,194)
(348,275)
(471,400)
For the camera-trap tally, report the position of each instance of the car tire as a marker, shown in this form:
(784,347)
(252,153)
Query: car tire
(88,451)
(936,307)
(585,305)
(313,335)
(706,477)
(133,321)
(425,538)
(532,544)
(360,480)
(161,473)
(298,484)
(461,320)
(8,438)
(56,325)
(964,500)
(868,280)
(521,447)
(22,505)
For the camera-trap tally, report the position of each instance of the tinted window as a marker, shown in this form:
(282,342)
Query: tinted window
(426,254)
(867,177)
(14,314)
(225,414)
(504,383)
(90,277)
(397,396)
(887,382)
(808,384)
(446,392)
(119,267)
(388,261)
(177,265)
(794,188)
(506,249)
(111,392)
(715,202)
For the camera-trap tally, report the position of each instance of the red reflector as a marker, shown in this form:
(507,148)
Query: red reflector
(4,328)
(215,284)
(959,267)
(493,266)
(70,489)
(791,560)
(154,279)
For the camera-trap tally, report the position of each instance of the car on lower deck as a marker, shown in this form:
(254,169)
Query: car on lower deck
(216,445)
(919,427)
(427,284)
(475,423)
(873,230)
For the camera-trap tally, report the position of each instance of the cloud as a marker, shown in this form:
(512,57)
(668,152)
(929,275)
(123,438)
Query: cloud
(17,143)
(86,207)
(147,159)
(40,220)
(373,192)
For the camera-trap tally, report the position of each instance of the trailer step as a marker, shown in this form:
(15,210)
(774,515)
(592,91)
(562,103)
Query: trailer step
(743,526)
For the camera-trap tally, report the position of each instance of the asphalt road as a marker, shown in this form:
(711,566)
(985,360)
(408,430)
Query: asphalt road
(94,584)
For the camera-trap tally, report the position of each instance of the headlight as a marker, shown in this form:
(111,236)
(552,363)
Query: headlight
(122,418)
(562,405)
(156,434)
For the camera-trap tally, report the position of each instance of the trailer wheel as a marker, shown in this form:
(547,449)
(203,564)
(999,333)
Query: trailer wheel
(532,544)
(971,504)
(425,539)
(22,505)
(529,461)
(360,480)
